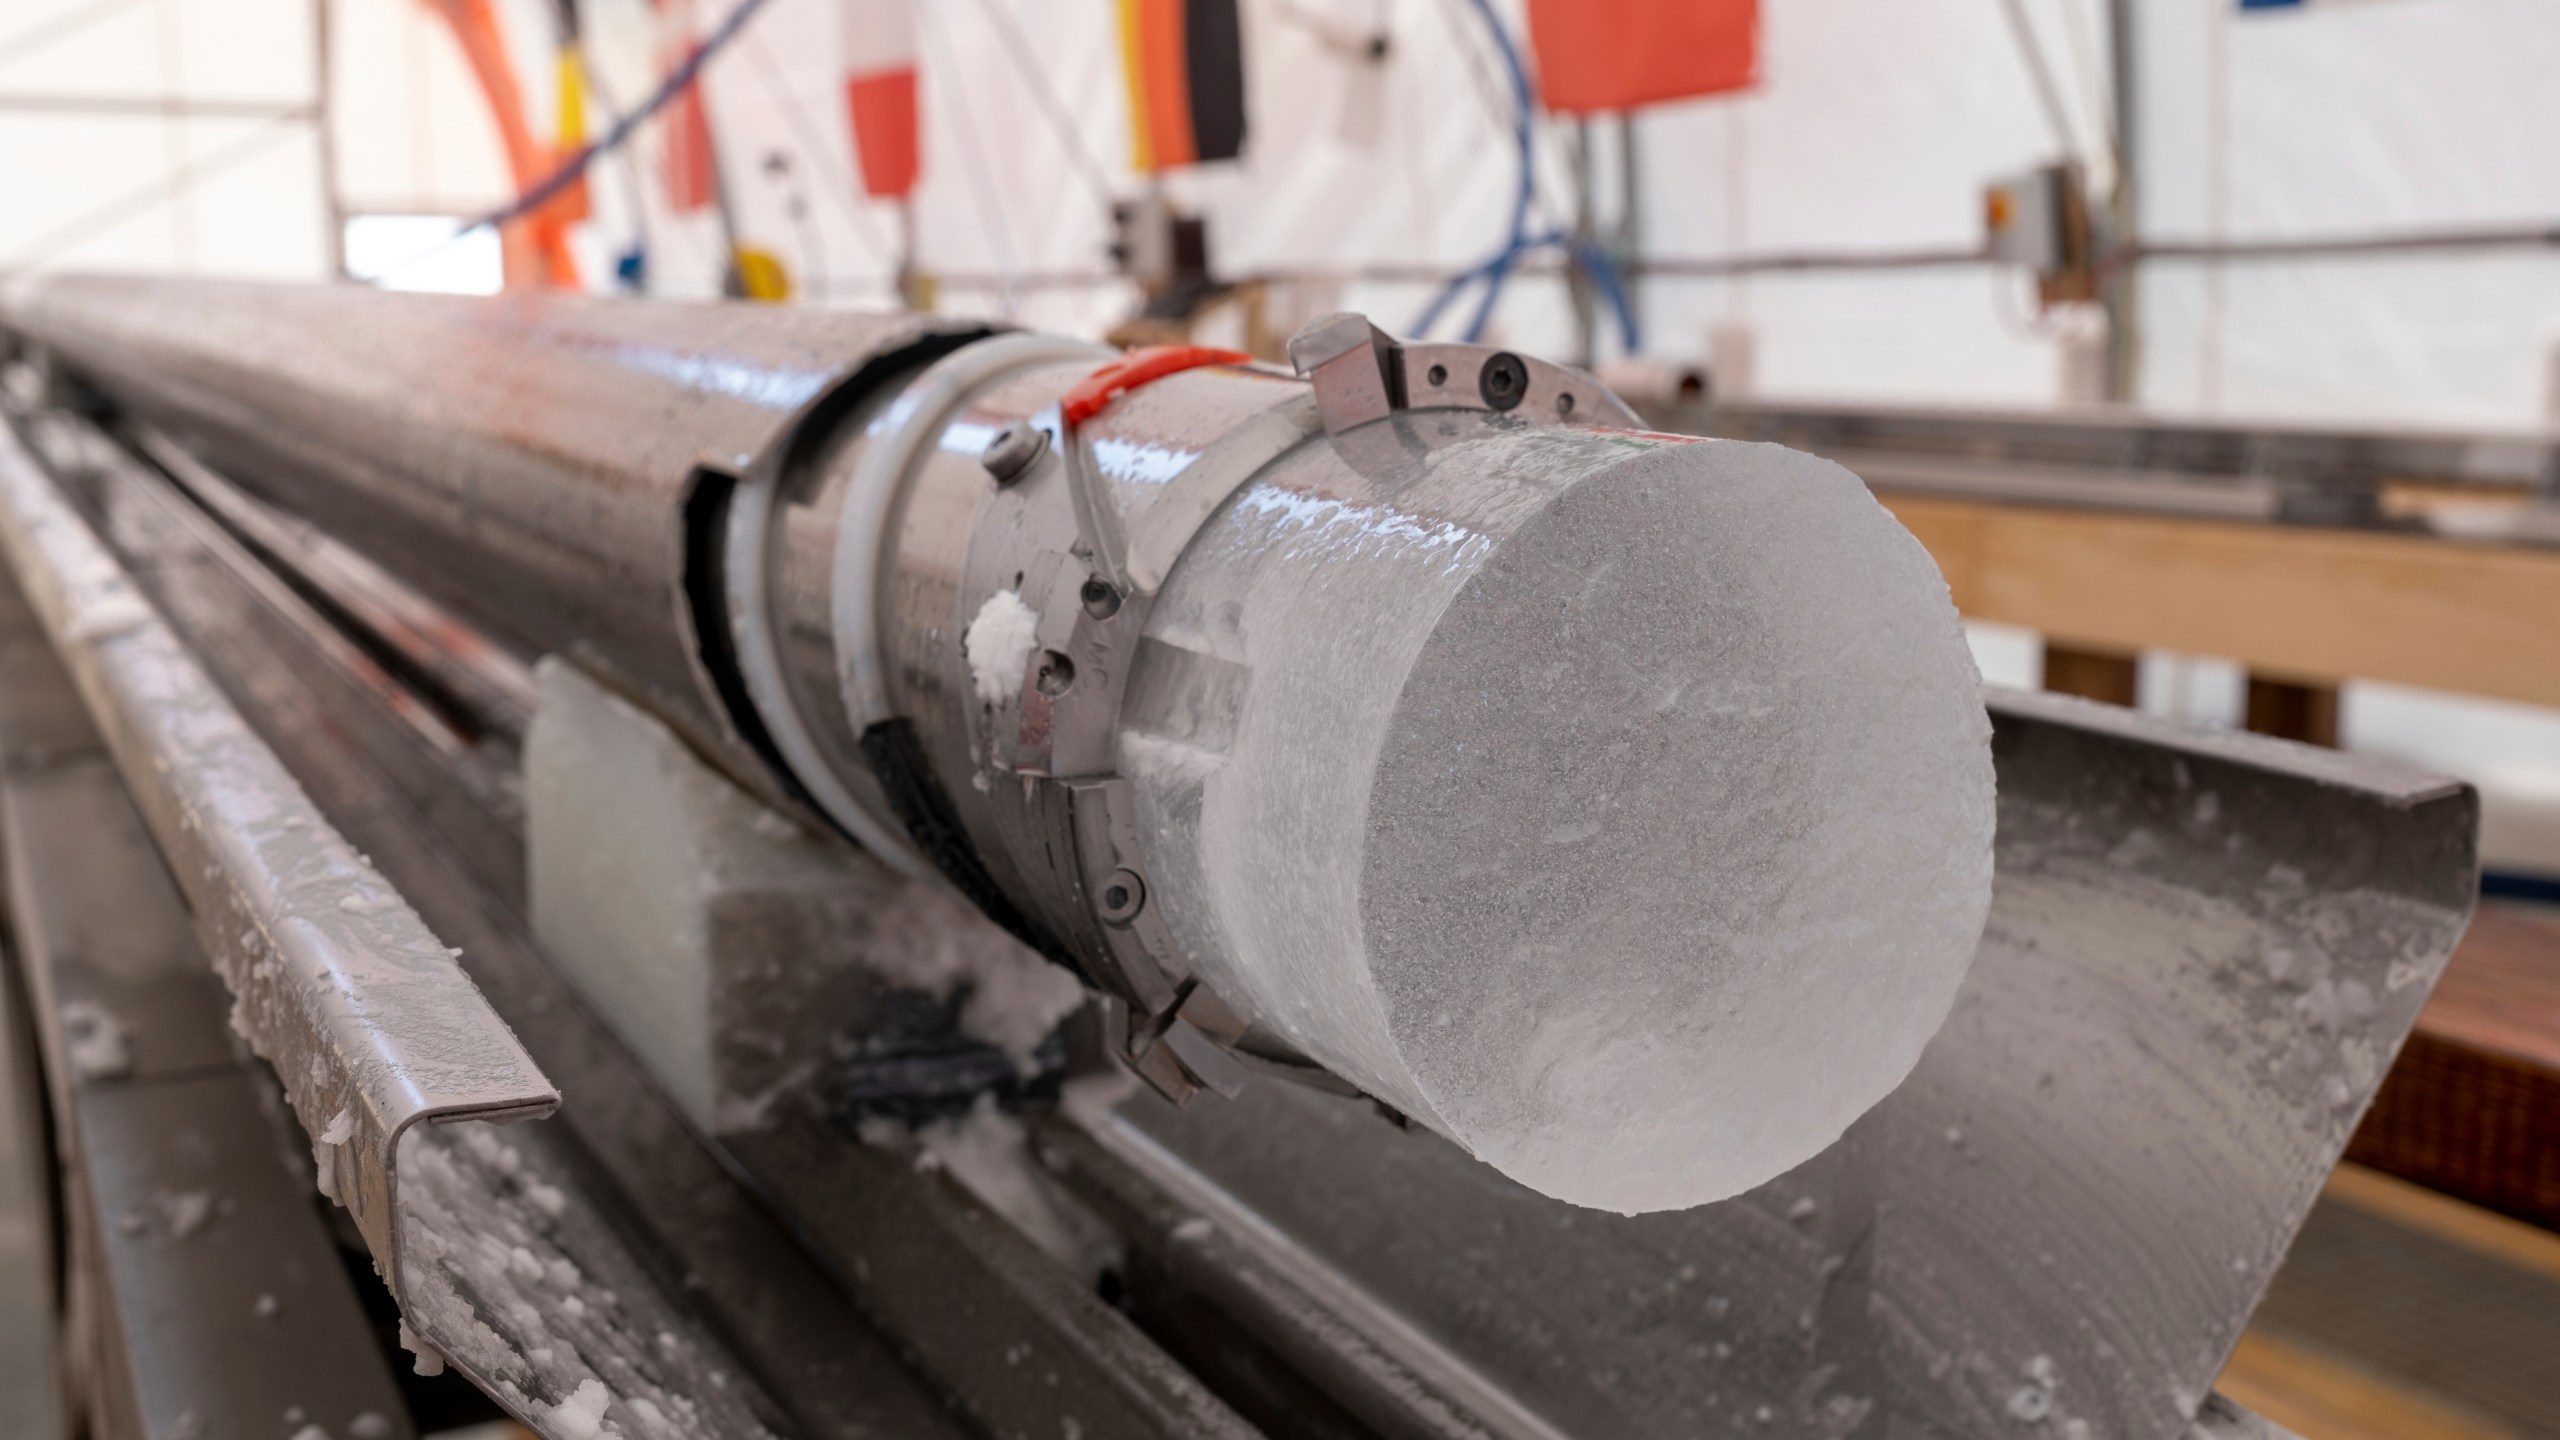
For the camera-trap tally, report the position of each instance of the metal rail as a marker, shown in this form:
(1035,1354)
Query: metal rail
(2285,473)
(335,981)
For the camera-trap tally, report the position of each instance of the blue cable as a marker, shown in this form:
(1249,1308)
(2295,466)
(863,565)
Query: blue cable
(571,169)
(542,191)
(1525,193)
(1613,288)
(1496,271)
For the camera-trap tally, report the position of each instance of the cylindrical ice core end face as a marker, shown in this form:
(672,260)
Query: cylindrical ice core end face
(1620,807)
(1679,845)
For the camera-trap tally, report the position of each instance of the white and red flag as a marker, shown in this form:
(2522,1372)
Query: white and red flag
(880,92)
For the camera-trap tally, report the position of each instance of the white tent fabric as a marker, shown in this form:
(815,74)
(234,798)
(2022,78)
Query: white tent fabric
(2385,116)
(1874,128)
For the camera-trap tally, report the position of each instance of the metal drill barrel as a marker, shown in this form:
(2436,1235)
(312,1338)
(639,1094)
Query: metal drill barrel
(526,462)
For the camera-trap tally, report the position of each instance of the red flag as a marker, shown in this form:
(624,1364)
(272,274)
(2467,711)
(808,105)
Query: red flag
(1610,55)
(686,156)
(880,93)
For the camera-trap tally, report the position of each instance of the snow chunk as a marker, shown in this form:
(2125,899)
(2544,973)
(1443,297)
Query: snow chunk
(999,645)
(184,1211)
(1014,1007)
(1015,998)
(430,1361)
(95,1041)
(324,1147)
(108,616)
(989,1152)
(581,1416)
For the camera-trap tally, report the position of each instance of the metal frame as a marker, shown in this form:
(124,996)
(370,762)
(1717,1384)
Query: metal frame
(2288,474)
(369,1024)
(202,1278)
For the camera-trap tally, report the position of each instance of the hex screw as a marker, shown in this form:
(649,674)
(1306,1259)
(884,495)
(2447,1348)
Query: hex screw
(1504,380)
(1122,897)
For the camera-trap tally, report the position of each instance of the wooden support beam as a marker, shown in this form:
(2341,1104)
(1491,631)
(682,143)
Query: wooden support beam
(2103,675)
(2293,710)
(2296,601)
(2401,1314)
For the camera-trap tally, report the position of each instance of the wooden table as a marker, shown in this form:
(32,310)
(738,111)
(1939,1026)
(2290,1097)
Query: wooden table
(2288,601)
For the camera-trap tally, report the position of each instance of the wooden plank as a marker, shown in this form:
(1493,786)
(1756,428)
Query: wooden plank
(2511,1243)
(2401,1309)
(2290,710)
(2289,602)
(2323,1398)
(2111,677)
(2472,1107)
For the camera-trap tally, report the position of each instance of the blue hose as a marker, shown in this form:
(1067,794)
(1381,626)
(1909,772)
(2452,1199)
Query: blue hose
(1494,272)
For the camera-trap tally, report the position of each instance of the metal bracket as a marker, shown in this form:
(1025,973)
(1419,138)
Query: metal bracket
(1362,374)
(1184,1048)
(1177,1034)
(1170,1029)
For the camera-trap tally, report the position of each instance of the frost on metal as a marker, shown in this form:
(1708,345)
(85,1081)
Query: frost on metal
(541,1305)
(95,1041)
(335,982)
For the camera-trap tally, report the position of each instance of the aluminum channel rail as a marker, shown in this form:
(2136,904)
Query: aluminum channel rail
(866,1297)
(202,1290)
(370,1025)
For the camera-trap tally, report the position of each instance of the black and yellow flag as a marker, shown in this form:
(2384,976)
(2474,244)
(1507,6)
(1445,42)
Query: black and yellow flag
(1185,64)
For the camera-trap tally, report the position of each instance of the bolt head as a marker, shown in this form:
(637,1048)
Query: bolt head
(1121,897)
(1013,450)
(1504,380)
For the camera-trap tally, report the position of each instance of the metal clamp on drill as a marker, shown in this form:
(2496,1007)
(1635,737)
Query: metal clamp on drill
(1361,374)
(952,471)
(1172,1029)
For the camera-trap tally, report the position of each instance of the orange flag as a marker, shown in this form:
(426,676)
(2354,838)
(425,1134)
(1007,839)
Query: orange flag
(1612,55)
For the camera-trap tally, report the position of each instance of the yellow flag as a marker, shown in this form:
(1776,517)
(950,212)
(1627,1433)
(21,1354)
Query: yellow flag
(571,131)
